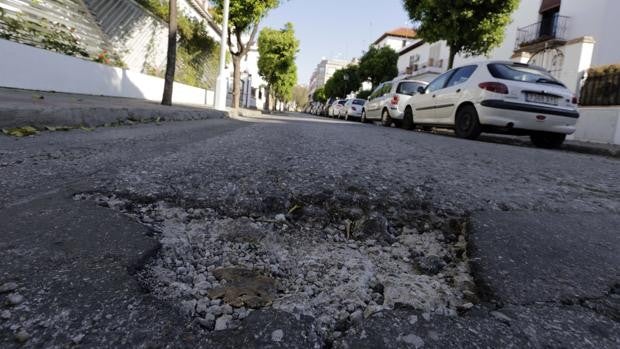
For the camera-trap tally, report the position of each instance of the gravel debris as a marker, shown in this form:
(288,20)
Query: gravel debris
(15,298)
(8,287)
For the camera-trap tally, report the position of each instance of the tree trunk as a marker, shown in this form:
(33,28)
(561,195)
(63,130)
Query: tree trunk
(172,54)
(236,81)
(268,98)
(453,52)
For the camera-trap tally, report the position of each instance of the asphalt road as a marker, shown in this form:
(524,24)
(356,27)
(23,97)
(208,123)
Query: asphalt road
(74,262)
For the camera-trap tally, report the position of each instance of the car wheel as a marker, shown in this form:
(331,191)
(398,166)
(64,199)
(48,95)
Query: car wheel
(467,124)
(547,140)
(363,119)
(386,120)
(408,120)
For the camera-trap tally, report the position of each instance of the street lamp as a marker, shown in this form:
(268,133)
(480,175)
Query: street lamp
(221,86)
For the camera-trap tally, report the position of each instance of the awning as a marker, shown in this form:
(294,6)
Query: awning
(549,4)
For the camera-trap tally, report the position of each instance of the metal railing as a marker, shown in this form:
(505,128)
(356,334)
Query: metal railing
(548,29)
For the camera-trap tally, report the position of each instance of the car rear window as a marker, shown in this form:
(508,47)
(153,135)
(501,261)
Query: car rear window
(409,88)
(523,73)
(342,102)
(359,102)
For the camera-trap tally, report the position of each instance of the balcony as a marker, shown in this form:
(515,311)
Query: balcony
(548,33)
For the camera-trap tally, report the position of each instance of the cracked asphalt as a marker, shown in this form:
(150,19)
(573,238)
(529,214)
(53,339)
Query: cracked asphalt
(542,237)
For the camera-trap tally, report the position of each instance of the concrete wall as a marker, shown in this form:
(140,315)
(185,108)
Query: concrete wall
(599,125)
(31,68)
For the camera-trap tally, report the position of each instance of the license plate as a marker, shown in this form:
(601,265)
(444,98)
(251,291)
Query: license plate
(542,99)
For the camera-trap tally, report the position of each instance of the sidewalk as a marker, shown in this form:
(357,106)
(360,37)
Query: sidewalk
(20,108)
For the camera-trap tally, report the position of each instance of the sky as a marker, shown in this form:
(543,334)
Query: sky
(339,29)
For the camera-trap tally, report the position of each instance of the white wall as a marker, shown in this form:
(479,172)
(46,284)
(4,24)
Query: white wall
(598,124)
(31,68)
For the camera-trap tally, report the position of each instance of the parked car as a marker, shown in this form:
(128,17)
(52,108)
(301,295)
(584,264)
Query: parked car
(388,101)
(336,108)
(501,97)
(353,108)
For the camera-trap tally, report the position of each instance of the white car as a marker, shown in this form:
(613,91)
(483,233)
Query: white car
(500,97)
(388,101)
(335,109)
(353,108)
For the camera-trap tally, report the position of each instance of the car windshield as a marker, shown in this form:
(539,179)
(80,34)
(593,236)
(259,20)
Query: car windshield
(359,102)
(523,73)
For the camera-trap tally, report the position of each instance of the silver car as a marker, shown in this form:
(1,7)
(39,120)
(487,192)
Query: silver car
(353,109)
(388,101)
(335,108)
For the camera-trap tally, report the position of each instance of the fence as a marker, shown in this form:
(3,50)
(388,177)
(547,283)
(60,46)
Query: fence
(63,26)
(601,90)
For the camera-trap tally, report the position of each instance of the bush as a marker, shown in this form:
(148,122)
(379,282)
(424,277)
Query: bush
(602,87)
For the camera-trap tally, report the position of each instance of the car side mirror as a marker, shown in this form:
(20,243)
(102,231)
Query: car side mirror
(421,90)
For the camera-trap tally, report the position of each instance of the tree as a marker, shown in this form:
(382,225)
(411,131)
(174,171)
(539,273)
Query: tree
(319,95)
(171,60)
(300,96)
(364,94)
(244,17)
(276,62)
(343,82)
(379,65)
(473,27)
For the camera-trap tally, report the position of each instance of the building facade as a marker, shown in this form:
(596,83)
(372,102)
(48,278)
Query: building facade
(565,37)
(325,70)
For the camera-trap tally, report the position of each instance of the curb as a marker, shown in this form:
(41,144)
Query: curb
(99,116)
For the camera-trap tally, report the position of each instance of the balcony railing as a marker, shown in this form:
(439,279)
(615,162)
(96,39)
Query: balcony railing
(549,29)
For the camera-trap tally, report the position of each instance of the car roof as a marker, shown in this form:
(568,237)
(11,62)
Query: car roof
(416,81)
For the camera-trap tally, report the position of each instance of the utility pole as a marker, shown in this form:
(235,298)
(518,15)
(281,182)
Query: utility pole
(221,87)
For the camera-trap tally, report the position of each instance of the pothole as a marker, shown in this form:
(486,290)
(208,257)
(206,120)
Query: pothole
(337,258)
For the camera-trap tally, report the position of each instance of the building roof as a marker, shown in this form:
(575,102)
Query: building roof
(403,32)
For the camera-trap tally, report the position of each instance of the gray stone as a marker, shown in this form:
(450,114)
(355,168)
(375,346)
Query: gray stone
(222,322)
(5,315)
(8,287)
(15,298)
(430,265)
(277,335)
(414,340)
(22,336)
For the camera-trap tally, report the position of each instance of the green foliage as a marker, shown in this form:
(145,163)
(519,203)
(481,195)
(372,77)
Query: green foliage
(364,94)
(379,65)
(244,14)
(470,26)
(276,63)
(343,82)
(197,52)
(300,96)
(319,95)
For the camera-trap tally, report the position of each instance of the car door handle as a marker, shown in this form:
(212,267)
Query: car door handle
(434,96)
(458,91)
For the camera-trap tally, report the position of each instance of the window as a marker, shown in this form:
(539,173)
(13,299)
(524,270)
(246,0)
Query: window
(386,88)
(376,92)
(342,102)
(521,72)
(439,82)
(359,102)
(409,88)
(461,75)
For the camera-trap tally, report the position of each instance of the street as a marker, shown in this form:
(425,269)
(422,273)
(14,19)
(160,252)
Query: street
(295,231)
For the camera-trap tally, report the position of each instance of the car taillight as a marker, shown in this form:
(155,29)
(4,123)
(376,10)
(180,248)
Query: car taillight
(354,109)
(575,100)
(496,87)
(395,100)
